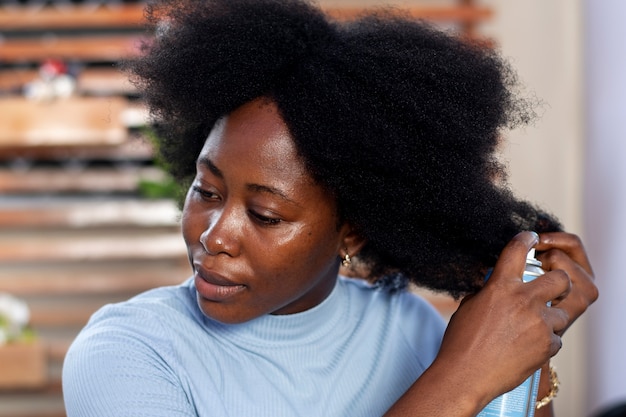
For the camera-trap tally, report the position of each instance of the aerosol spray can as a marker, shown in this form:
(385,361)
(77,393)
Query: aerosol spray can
(520,402)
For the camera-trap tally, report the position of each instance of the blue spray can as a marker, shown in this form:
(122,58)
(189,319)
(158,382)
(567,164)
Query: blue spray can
(519,402)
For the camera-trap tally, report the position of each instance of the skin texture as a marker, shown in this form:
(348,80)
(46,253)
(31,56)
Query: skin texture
(262,236)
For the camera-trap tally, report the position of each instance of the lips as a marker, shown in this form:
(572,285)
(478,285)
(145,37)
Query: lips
(214,287)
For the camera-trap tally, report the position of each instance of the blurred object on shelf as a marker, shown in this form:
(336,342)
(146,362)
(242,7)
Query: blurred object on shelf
(22,356)
(54,81)
(14,319)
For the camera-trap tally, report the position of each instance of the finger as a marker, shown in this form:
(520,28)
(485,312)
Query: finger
(584,291)
(556,259)
(553,285)
(558,320)
(513,257)
(568,243)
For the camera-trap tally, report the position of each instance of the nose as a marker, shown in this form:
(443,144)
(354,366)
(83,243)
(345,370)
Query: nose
(222,232)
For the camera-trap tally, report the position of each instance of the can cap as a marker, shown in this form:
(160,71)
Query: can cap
(531,260)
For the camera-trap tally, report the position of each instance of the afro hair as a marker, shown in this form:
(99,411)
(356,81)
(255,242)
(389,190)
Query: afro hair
(399,120)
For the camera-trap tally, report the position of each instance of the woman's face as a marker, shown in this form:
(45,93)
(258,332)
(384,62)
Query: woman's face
(262,237)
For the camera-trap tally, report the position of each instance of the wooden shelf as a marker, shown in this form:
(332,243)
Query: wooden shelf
(23,366)
(134,148)
(94,81)
(67,248)
(88,181)
(85,121)
(457,14)
(132,15)
(79,214)
(86,281)
(94,48)
(83,16)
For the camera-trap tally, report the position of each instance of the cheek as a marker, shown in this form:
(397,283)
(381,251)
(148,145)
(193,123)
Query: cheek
(191,225)
(283,258)
(309,253)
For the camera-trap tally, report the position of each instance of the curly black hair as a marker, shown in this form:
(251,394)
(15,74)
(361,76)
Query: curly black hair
(399,120)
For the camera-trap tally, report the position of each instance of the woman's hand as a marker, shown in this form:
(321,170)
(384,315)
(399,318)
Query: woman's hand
(502,334)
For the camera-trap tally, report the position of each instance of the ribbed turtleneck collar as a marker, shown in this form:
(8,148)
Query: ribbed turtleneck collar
(300,328)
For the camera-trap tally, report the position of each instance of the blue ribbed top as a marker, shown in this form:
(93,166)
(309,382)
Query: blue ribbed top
(158,355)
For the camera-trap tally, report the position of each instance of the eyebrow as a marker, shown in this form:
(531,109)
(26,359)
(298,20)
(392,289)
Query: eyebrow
(258,188)
(211,167)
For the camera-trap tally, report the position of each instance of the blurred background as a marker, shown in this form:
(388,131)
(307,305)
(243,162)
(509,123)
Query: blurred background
(87,215)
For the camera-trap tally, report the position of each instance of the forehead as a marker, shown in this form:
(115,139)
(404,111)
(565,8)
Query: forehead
(254,141)
(254,129)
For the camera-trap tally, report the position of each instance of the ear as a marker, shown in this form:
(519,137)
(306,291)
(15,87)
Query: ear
(351,242)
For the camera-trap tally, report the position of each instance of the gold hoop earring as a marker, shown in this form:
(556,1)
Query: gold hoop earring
(346,262)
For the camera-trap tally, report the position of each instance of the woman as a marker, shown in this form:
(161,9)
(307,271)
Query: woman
(308,144)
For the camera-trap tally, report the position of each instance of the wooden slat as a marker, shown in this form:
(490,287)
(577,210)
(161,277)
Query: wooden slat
(100,81)
(75,315)
(32,404)
(71,17)
(52,389)
(45,402)
(98,248)
(92,48)
(26,411)
(113,48)
(71,121)
(69,313)
(459,14)
(93,180)
(89,280)
(104,81)
(58,349)
(14,79)
(90,213)
(24,365)
(132,149)
(132,15)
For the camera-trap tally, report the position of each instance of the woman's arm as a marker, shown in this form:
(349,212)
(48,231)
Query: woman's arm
(499,336)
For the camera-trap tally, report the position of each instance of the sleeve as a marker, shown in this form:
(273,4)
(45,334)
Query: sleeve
(116,367)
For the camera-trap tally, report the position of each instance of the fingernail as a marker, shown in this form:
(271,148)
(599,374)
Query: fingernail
(535,237)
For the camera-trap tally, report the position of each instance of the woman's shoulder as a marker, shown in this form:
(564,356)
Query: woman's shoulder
(148,318)
(164,302)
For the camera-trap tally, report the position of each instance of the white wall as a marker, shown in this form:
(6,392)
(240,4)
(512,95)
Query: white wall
(605,208)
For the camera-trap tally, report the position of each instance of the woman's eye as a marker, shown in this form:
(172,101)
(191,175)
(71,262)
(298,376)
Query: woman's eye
(205,194)
(264,220)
